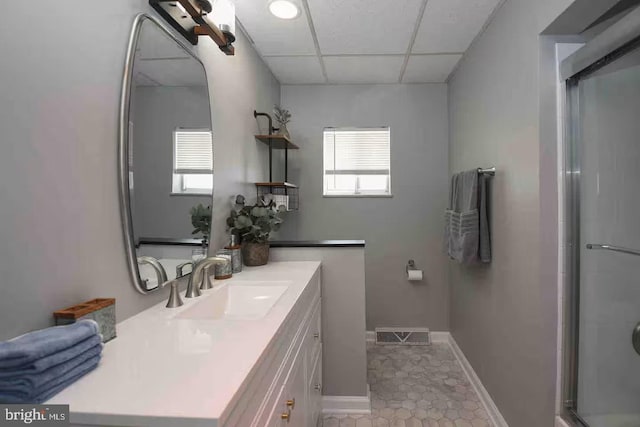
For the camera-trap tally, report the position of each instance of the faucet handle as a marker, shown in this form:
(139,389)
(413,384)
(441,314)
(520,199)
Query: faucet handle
(174,295)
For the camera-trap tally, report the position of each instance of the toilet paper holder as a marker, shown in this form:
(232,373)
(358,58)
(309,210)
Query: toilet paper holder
(413,274)
(411,265)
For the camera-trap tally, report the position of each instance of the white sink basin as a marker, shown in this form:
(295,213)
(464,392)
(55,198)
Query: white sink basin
(237,300)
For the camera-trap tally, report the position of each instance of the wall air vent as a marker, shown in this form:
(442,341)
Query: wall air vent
(403,336)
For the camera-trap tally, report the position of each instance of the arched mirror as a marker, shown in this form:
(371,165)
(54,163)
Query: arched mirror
(165,156)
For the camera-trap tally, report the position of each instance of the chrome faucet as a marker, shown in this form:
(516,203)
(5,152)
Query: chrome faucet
(161,274)
(193,287)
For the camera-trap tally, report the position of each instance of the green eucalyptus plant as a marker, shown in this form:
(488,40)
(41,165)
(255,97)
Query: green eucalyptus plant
(201,220)
(254,223)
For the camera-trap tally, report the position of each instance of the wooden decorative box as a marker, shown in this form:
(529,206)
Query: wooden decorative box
(102,310)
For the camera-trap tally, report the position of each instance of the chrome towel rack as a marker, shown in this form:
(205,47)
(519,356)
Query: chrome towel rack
(613,248)
(487,171)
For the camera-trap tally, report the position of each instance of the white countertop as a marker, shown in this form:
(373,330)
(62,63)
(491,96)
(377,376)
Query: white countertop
(162,371)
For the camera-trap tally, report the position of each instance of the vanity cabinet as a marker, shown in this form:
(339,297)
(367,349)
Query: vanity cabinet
(286,389)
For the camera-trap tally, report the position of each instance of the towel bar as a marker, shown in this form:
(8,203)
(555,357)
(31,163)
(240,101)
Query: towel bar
(613,248)
(487,171)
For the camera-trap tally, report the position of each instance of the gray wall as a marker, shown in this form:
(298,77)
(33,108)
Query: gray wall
(159,111)
(60,236)
(502,113)
(406,226)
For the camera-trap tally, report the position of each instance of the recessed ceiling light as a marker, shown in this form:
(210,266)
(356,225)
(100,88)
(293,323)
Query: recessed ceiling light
(284,9)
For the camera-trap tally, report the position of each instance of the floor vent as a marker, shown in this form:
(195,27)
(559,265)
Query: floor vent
(403,336)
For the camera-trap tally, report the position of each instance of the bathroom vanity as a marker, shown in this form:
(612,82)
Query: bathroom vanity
(246,353)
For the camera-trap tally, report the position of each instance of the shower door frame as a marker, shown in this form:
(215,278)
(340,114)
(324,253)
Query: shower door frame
(614,43)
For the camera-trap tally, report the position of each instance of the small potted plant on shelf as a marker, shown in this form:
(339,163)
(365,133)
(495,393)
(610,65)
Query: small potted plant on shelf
(283,117)
(253,224)
(201,221)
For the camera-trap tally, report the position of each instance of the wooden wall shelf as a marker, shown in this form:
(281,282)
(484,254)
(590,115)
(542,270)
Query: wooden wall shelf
(278,142)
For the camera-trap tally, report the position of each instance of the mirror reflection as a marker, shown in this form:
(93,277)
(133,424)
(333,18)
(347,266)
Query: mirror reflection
(170,157)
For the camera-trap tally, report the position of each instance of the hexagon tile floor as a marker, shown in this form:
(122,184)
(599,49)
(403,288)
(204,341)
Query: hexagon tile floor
(416,386)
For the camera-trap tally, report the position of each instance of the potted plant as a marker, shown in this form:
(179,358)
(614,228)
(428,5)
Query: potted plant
(253,224)
(201,221)
(283,117)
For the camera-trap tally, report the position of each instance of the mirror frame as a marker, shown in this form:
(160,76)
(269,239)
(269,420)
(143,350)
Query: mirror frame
(123,143)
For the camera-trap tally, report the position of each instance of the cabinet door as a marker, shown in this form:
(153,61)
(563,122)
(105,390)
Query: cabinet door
(290,409)
(314,396)
(296,394)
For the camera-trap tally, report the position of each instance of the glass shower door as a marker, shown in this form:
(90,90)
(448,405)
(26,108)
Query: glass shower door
(606,170)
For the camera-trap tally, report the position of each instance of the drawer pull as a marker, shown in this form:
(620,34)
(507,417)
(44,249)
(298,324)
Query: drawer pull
(286,416)
(291,403)
(318,387)
(316,335)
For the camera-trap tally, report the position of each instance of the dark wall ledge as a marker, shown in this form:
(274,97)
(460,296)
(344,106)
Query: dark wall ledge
(274,244)
(162,241)
(317,244)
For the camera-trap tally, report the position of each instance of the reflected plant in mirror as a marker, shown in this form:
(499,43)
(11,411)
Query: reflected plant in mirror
(254,224)
(166,153)
(201,221)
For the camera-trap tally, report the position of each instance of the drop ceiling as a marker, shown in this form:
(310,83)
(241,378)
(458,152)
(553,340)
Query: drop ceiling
(365,41)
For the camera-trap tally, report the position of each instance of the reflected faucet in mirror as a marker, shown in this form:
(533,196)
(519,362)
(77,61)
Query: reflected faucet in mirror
(180,268)
(161,274)
(197,279)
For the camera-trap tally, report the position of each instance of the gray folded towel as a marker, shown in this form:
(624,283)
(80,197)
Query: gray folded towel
(37,365)
(45,363)
(27,383)
(30,347)
(52,387)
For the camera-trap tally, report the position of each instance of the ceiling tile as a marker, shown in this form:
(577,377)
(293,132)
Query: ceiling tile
(364,26)
(429,68)
(363,69)
(296,69)
(274,36)
(451,25)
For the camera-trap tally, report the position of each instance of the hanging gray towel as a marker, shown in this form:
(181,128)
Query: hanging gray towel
(466,223)
(485,234)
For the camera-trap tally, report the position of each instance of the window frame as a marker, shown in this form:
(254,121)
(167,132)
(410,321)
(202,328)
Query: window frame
(357,191)
(177,179)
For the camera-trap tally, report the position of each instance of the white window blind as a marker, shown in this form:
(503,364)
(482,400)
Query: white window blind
(193,152)
(357,161)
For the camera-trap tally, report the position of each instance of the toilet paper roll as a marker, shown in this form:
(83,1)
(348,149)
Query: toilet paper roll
(414,275)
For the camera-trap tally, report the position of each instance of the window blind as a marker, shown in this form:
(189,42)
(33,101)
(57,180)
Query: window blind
(364,151)
(193,152)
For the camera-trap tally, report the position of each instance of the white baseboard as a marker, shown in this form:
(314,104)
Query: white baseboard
(436,337)
(497,420)
(371,336)
(356,405)
(440,337)
(560,422)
